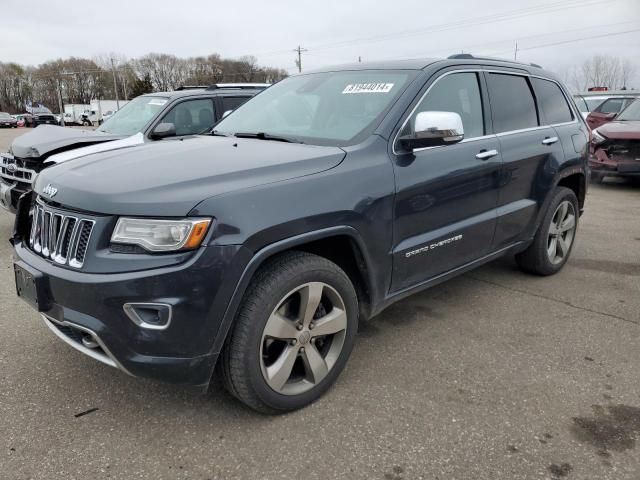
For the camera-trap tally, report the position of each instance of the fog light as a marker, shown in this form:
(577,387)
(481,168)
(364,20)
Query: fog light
(153,316)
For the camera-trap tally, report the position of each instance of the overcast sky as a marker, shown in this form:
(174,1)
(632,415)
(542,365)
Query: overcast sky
(333,31)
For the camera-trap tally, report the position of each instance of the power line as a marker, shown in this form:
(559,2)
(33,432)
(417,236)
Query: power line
(474,21)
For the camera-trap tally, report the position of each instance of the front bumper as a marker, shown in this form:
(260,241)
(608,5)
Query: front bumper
(86,311)
(602,164)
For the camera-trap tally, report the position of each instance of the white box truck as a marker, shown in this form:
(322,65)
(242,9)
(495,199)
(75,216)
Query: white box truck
(74,113)
(102,108)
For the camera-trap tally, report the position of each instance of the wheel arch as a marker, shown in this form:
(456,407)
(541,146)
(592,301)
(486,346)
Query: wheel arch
(329,243)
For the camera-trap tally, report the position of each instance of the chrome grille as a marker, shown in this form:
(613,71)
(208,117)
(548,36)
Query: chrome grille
(13,169)
(59,236)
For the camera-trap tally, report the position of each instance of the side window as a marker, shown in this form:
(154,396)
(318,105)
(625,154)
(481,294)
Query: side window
(581,104)
(512,102)
(613,105)
(191,117)
(459,93)
(231,103)
(552,101)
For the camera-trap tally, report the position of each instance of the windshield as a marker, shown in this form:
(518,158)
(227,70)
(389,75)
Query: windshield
(133,117)
(333,108)
(5,115)
(632,112)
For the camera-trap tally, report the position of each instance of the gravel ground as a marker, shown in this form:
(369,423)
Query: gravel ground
(493,375)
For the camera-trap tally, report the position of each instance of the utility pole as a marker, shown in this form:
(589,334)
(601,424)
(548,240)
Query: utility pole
(515,52)
(115,84)
(299,51)
(60,105)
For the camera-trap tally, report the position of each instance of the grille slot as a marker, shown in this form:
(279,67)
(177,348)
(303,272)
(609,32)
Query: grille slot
(62,238)
(13,169)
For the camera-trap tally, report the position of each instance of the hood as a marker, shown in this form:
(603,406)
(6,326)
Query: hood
(132,141)
(627,130)
(169,178)
(45,139)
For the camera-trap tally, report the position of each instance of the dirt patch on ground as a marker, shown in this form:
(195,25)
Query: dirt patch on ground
(615,427)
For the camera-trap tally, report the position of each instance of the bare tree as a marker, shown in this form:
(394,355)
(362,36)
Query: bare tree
(605,71)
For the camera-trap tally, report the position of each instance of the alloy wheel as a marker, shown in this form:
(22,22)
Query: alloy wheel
(303,338)
(561,232)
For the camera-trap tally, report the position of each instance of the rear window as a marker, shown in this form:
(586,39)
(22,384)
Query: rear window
(512,103)
(552,101)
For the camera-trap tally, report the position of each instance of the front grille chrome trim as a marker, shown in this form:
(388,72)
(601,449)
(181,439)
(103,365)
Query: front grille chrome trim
(16,173)
(62,238)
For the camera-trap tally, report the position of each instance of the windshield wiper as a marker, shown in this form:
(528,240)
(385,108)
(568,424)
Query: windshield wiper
(265,136)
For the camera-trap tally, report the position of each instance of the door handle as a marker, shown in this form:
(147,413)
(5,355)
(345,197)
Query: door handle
(549,140)
(486,154)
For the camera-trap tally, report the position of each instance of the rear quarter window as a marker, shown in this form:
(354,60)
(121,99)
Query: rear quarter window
(551,101)
(512,103)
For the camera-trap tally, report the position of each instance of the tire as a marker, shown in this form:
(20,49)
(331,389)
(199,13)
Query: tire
(277,292)
(597,177)
(546,256)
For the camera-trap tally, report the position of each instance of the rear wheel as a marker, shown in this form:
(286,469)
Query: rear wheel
(554,239)
(293,335)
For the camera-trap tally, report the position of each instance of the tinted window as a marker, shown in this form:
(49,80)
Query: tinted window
(459,93)
(552,101)
(613,105)
(231,103)
(191,117)
(512,103)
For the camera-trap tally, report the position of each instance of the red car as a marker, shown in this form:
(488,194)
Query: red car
(607,111)
(615,146)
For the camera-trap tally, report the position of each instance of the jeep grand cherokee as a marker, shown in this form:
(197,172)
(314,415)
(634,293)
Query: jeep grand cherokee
(312,207)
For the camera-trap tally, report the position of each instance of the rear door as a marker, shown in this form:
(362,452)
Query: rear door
(531,153)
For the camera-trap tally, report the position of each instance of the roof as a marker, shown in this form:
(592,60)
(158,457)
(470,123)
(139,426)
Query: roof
(221,90)
(422,63)
(610,93)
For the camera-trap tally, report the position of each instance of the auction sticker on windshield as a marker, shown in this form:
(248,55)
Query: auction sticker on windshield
(368,88)
(157,101)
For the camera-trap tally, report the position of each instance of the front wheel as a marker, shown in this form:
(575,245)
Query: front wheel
(293,335)
(555,237)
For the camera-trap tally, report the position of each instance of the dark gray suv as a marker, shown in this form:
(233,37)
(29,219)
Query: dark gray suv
(312,207)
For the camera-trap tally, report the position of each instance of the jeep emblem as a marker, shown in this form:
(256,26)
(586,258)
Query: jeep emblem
(50,190)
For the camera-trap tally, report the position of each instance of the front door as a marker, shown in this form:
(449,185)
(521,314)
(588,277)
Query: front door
(446,197)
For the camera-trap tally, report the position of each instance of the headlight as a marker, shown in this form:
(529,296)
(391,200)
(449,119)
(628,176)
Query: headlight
(161,235)
(597,138)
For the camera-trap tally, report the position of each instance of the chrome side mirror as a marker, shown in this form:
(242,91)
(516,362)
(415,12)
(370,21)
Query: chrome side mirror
(432,129)
(164,130)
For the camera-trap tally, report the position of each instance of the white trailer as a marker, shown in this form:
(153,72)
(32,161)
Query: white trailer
(100,108)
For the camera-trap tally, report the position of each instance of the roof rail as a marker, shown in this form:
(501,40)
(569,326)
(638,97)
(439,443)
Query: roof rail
(468,56)
(217,86)
(191,87)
